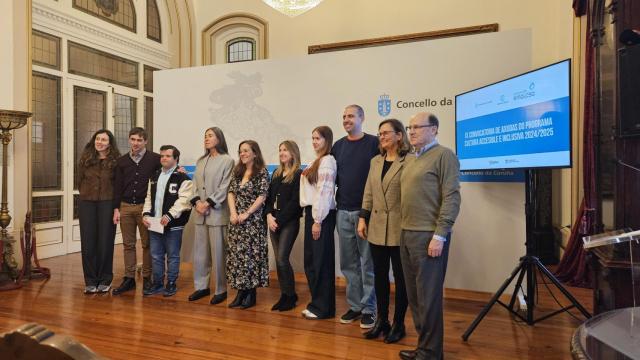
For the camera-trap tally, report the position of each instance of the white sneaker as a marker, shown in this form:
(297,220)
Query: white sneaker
(309,315)
(90,289)
(103,288)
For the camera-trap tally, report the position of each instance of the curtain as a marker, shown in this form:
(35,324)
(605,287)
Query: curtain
(573,266)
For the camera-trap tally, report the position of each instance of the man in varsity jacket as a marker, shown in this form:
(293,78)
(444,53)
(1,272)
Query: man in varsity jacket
(168,196)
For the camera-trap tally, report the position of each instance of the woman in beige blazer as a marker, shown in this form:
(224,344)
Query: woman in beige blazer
(380,224)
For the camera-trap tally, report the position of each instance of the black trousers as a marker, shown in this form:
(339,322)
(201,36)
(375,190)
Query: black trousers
(382,257)
(97,236)
(282,242)
(320,265)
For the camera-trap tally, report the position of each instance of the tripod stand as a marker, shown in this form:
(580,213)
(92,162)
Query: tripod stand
(528,266)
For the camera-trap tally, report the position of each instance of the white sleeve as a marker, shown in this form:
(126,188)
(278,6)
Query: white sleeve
(182,204)
(146,208)
(325,187)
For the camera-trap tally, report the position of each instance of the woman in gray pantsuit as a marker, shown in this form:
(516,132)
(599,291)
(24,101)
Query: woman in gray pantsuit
(211,215)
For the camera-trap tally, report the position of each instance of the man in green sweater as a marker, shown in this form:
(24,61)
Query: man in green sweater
(430,202)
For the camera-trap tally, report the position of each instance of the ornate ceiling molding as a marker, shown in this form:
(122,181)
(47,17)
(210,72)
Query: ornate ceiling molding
(79,29)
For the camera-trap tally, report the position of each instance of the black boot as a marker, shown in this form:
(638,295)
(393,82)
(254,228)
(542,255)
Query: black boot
(277,305)
(381,326)
(240,295)
(396,334)
(127,284)
(289,303)
(249,299)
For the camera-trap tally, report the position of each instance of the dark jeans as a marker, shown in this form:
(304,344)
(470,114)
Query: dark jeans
(97,236)
(165,244)
(320,265)
(282,242)
(382,256)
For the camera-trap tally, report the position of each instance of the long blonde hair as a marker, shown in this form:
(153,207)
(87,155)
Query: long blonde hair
(293,149)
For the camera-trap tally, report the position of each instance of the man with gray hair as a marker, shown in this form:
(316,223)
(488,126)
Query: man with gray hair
(430,202)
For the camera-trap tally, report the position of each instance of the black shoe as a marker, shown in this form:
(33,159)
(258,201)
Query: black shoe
(153,289)
(240,295)
(170,289)
(367,321)
(396,334)
(199,294)
(217,299)
(408,354)
(127,284)
(350,316)
(249,299)
(277,305)
(147,284)
(381,327)
(289,303)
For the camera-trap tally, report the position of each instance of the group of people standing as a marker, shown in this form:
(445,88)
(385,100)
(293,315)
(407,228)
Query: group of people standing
(392,209)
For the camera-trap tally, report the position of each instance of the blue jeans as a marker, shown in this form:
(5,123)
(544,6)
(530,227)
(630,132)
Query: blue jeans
(165,244)
(356,263)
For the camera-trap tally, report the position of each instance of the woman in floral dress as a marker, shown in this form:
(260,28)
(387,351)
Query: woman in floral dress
(247,258)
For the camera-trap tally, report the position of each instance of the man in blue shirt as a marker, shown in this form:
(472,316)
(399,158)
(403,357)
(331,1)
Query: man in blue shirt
(168,196)
(353,154)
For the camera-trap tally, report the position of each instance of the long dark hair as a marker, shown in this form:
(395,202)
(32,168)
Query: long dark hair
(90,155)
(403,145)
(221,147)
(311,173)
(258,162)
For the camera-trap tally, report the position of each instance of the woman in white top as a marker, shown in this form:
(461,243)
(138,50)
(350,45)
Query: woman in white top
(317,190)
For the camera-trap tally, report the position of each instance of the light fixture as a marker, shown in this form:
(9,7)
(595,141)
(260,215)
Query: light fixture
(292,7)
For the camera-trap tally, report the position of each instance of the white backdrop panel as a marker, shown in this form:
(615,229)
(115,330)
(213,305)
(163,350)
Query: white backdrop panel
(273,100)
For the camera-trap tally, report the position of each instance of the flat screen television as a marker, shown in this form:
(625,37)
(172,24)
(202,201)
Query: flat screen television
(523,122)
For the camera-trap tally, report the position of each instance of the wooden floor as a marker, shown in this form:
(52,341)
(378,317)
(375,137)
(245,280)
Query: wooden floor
(135,327)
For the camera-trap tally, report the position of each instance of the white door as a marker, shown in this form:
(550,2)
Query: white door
(87,106)
(96,106)
(88,111)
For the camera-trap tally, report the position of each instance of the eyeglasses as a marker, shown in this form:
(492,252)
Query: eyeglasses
(386,133)
(416,127)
